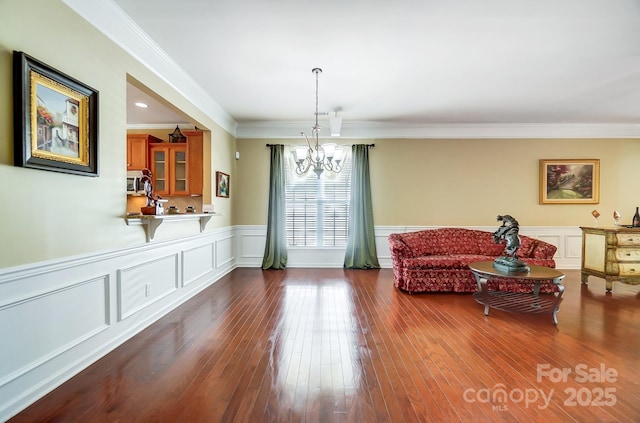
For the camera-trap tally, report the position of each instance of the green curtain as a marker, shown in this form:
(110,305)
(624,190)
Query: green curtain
(275,250)
(361,244)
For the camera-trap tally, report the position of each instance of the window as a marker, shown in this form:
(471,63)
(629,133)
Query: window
(317,209)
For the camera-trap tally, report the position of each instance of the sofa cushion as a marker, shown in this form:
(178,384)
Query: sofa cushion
(543,250)
(420,243)
(487,246)
(527,245)
(454,261)
(451,241)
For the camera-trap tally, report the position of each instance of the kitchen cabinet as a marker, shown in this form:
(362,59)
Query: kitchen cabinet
(137,150)
(176,168)
(195,146)
(169,169)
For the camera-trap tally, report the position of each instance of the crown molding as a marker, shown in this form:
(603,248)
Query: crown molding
(109,19)
(382,130)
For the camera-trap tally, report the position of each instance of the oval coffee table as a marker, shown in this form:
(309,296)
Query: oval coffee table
(518,301)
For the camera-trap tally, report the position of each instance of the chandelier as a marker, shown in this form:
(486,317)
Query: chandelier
(313,155)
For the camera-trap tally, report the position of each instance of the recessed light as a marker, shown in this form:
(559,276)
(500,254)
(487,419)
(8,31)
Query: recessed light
(142,105)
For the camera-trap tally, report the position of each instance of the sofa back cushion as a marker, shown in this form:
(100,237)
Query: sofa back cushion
(535,248)
(444,241)
(543,250)
(527,245)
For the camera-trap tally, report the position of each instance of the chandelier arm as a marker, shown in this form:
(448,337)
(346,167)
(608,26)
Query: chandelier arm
(306,139)
(303,166)
(316,155)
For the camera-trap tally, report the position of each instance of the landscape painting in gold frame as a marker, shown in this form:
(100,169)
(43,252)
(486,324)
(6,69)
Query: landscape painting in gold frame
(570,181)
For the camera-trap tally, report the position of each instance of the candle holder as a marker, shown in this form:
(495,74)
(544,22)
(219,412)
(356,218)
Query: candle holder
(596,215)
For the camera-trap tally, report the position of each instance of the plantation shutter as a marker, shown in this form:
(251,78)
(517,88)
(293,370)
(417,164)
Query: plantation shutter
(317,209)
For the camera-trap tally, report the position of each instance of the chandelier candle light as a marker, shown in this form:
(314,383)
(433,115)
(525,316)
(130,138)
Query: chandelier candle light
(320,157)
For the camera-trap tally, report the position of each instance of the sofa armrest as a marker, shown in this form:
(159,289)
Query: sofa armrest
(399,251)
(398,247)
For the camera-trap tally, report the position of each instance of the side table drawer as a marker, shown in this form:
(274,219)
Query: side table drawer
(629,269)
(627,254)
(628,239)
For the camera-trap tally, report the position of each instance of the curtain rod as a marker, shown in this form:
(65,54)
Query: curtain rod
(290,145)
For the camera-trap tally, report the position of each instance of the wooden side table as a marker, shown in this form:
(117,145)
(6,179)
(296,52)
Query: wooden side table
(517,301)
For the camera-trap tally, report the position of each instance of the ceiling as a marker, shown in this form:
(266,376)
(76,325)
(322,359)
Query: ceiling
(404,63)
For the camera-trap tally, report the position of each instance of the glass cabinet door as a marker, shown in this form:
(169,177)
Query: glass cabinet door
(169,167)
(159,169)
(179,167)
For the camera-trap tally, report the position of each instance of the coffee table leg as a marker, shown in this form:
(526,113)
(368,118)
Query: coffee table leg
(556,305)
(482,287)
(536,294)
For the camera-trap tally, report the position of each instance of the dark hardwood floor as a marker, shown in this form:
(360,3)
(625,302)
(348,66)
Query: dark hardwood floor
(329,345)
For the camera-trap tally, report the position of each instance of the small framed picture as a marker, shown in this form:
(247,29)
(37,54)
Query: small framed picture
(222,184)
(55,119)
(570,181)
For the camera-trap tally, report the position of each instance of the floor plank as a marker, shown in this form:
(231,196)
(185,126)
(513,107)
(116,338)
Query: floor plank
(334,345)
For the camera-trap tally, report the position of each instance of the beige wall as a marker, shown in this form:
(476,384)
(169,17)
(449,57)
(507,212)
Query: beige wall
(466,182)
(48,215)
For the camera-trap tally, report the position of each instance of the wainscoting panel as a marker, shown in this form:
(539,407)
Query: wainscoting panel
(250,244)
(252,239)
(61,318)
(225,251)
(315,257)
(146,283)
(573,246)
(58,317)
(197,262)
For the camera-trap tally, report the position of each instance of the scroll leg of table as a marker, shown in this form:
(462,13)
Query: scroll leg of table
(482,287)
(536,294)
(556,304)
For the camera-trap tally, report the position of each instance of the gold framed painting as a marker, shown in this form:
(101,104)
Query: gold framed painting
(55,119)
(570,181)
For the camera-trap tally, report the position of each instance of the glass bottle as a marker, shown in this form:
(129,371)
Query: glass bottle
(636,219)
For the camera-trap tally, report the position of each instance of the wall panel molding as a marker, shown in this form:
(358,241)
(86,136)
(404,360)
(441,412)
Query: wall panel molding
(145,283)
(110,289)
(88,305)
(62,327)
(252,239)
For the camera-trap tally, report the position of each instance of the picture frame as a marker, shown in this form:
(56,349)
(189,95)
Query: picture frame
(570,181)
(222,184)
(55,119)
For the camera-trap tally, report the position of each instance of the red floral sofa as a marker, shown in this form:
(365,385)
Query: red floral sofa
(437,260)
